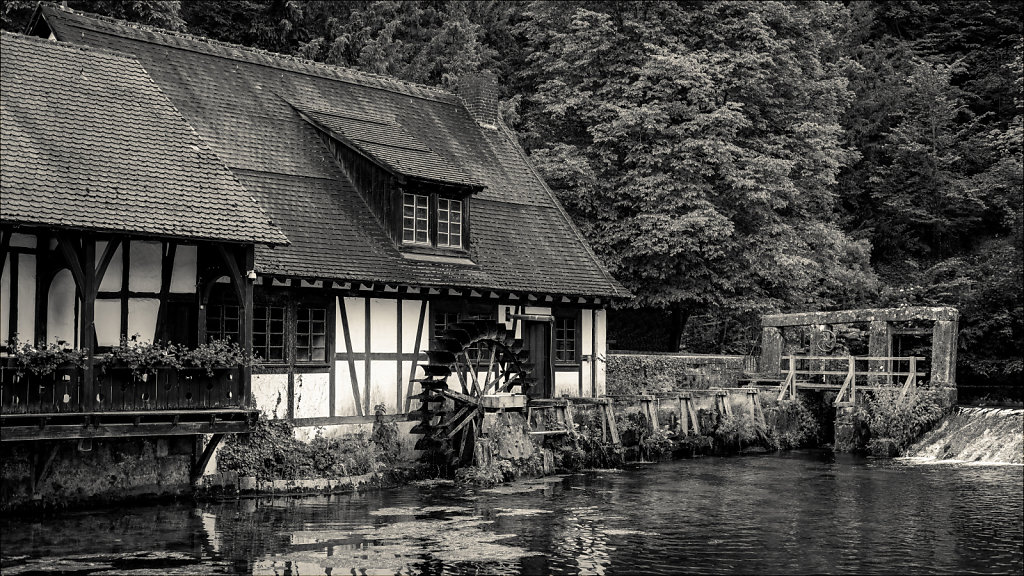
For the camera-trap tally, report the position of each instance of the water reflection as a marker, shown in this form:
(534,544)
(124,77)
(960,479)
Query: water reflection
(794,513)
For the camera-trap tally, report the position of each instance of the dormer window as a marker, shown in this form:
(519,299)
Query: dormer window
(415,221)
(432,220)
(419,197)
(449,223)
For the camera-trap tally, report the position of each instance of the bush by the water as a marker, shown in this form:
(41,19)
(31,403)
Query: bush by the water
(582,447)
(790,424)
(271,452)
(894,425)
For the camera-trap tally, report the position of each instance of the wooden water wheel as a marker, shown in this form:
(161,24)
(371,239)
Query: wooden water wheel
(469,362)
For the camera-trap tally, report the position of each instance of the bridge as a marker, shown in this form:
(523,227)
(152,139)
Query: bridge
(850,374)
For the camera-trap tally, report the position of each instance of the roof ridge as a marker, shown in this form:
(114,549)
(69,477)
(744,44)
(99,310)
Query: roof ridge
(67,45)
(353,74)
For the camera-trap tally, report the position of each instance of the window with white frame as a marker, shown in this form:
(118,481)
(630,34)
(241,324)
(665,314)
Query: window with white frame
(449,223)
(431,220)
(415,219)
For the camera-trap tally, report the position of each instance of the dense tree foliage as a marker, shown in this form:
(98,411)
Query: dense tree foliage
(727,158)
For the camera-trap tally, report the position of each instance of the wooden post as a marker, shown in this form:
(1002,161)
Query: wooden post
(88,310)
(245,336)
(613,430)
(693,416)
(771,352)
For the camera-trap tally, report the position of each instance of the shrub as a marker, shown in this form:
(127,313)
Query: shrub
(895,425)
(271,452)
(790,424)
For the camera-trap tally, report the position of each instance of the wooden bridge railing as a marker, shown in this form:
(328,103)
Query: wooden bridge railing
(880,372)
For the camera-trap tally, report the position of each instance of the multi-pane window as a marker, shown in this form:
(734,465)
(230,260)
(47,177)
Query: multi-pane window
(444,321)
(268,333)
(222,322)
(449,223)
(430,220)
(415,219)
(565,339)
(310,334)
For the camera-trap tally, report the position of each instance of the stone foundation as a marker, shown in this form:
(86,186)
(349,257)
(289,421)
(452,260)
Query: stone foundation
(107,471)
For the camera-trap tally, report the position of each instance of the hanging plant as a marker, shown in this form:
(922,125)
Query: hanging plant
(217,354)
(143,357)
(44,359)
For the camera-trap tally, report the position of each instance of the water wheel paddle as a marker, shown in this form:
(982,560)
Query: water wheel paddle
(467,362)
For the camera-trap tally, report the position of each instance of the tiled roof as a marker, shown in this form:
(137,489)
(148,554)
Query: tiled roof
(246,102)
(389,145)
(90,142)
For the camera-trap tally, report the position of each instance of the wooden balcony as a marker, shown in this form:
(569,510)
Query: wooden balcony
(166,402)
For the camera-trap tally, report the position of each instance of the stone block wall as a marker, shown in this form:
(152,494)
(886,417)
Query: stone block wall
(112,470)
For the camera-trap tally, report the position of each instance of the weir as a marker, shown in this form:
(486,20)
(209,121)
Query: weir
(974,435)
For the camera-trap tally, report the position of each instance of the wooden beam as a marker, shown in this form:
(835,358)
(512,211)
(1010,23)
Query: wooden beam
(118,430)
(200,464)
(5,245)
(419,336)
(72,257)
(351,361)
(87,340)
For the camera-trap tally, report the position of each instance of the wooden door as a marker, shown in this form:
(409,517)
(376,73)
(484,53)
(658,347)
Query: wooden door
(537,338)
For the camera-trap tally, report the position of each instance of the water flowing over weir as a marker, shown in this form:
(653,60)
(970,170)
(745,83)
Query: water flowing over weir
(974,435)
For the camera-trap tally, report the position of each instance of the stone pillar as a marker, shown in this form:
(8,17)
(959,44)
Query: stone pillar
(944,336)
(771,352)
(879,344)
(817,337)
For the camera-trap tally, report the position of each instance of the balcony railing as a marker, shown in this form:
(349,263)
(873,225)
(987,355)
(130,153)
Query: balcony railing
(118,389)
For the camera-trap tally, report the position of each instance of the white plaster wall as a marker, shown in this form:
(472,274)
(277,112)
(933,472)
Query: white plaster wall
(144,268)
(587,349)
(356,312)
(60,309)
(312,395)
(536,310)
(346,403)
(23,240)
(26,297)
(5,299)
(183,275)
(384,385)
(567,384)
(411,388)
(108,322)
(111,281)
(383,325)
(270,392)
(142,313)
(602,350)
(410,323)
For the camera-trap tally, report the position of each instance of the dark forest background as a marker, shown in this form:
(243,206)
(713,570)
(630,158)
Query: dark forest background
(729,158)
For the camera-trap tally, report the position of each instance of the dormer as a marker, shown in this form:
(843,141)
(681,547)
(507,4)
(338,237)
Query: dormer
(421,199)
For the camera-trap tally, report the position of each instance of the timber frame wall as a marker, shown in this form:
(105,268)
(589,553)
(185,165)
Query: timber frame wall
(128,275)
(375,343)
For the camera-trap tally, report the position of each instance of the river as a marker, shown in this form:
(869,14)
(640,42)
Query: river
(793,513)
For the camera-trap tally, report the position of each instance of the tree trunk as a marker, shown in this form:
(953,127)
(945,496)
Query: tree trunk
(678,318)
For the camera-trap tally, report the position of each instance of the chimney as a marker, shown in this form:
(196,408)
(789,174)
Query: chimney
(479,91)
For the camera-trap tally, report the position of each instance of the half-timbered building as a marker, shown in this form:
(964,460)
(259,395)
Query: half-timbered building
(115,219)
(419,234)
